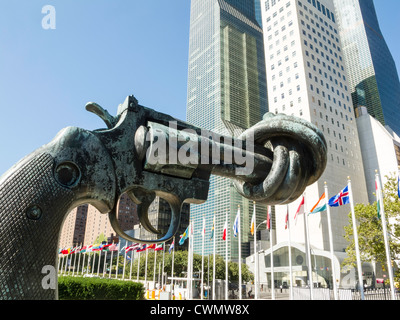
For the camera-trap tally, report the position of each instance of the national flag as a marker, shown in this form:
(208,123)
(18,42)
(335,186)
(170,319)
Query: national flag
(113,247)
(300,209)
(142,248)
(378,197)
(319,206)
(224,231)
(73,250)
(158,247)
(132,247)
(212,229)
(171,246)
(203,233)
(83,249)
(184,236)
(236,224)
(398,184)
(269,218)
(287,217)
(341,198)
(253,221)
(97,247)
(89,249)
(152,246)
(106,247)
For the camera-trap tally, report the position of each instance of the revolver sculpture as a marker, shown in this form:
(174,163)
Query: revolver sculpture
(97,167)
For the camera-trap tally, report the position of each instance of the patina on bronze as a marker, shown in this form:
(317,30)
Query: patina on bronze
(97,167)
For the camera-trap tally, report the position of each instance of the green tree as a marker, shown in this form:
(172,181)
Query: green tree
(369,228)
(181,263)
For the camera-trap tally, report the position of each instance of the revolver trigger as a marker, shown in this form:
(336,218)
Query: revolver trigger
(144,199)
(98,110)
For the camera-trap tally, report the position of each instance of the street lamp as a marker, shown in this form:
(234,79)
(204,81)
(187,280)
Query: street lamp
(256,261)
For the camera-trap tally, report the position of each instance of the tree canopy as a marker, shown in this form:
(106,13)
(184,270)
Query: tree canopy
(369,228)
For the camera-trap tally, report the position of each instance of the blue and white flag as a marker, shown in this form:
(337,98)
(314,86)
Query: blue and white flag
(236,224)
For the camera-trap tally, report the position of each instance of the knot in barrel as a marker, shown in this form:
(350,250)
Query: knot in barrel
(299,158)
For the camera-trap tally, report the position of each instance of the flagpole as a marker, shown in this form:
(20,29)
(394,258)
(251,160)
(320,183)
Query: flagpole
(353,218)
(172,269)
(112,253)
(145,269)
(213,280)
(328,211)
(94,260)
(130,271)
(88,261)
(138,266)
(385,235)
(255,254)
(123,269)
(240,255)
(155,265)
(98,264)
(79,259)
(272,256)
(290,255)
(116,264)
(189,261)
(83,261)
(73,270)
(308,248)
(202,259)
(162,275)
(104,264)
(226,257)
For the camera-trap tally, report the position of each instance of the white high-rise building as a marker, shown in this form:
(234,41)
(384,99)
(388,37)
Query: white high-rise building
(307,78)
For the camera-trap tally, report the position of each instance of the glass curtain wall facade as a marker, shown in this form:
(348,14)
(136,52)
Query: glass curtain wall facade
(226,94)
(372,71)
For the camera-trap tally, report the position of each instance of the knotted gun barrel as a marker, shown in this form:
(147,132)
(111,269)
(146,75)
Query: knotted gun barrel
(145,154)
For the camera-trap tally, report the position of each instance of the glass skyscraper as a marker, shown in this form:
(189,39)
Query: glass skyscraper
(226,94)
(372,71)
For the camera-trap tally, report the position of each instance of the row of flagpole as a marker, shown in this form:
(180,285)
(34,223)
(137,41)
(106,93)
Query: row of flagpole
(112,248)
(344,197)
(324,204)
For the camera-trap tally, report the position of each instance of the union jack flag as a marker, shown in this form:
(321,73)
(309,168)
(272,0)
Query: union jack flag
(341,198)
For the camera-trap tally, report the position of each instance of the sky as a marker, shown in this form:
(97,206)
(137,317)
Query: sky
(100,51)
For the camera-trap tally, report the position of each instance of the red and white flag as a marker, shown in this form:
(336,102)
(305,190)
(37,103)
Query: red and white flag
(269,218)
(224,231)
(300,209)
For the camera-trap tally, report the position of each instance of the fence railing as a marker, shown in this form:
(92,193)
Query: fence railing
(343,294)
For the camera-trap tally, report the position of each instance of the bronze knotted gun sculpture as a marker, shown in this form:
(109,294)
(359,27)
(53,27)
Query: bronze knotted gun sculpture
(145,154)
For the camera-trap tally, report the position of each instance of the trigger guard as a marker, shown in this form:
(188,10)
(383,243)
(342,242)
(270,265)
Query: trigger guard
(175,205)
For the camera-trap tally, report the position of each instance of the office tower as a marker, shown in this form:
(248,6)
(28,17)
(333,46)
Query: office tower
(85,223)
(307,78)
(373,78)
(160,218)
(73,230)
(226,94)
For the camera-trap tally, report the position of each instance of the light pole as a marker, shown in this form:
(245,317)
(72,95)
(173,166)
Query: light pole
(256,261)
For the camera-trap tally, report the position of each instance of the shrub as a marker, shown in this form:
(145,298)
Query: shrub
(76,288)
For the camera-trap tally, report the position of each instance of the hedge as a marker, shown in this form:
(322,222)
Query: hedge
(76,288)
